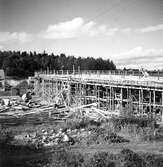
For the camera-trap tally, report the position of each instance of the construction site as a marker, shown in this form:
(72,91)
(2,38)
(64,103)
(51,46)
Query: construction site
(108,93)
(79,115)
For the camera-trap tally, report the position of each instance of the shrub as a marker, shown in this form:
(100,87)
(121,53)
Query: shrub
(153,160)
(101,159)
(78,124)
(66,158)
(5,135)
(101,135)
(118,123)
(131,159)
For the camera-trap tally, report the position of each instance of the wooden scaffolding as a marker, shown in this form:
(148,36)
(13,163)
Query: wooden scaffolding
(125,96)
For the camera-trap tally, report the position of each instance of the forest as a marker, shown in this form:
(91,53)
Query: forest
(23,64)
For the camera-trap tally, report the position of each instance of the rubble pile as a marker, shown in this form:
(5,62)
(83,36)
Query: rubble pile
(43,138)
(16,110)
(11,104)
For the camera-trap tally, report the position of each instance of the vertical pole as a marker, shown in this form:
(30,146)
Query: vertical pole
(73,69)
(127,100)
(52,93)
(113,94)
(139,101)
(150,101)
(43,89)
(80,92)
(131,100)
(49,97)
(69,93)
(110,98)
(121,99)
(162,108)
(142,101)
(154,99)
(154,102)
(84,93)
(106,98)
(98,97)
(78,69)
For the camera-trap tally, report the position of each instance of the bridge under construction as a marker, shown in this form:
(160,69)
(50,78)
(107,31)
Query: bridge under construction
(109,92)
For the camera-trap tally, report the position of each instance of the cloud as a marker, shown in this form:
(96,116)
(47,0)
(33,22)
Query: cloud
(76,27)
(126,30)
(146,29)
(15,36)
(151,28)
(139,57)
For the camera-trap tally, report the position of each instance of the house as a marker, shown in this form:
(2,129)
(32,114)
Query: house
(2,80)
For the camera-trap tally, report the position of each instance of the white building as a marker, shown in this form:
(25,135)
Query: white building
(2,80)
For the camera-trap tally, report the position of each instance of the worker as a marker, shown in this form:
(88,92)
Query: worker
(27,97)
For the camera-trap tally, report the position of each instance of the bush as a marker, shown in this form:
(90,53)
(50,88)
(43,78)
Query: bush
(78,124)
(118,123)
(100,135)
(153,160)
(66,158)
(101,159)
(5,135)
(131,159)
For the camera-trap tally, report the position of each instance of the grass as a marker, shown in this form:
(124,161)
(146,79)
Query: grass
(101,134)
(78,123)
(126,158)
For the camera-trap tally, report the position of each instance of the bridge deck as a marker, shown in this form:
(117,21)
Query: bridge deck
(121,80)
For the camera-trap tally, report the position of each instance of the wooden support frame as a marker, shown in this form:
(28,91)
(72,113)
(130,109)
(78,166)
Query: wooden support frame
(87,89)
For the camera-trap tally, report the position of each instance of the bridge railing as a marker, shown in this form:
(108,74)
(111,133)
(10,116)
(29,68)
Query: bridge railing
(101,72)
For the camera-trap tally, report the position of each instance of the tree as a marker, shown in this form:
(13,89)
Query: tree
(24,64)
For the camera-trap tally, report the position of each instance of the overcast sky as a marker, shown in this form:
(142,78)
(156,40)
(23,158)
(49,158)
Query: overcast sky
(130,32)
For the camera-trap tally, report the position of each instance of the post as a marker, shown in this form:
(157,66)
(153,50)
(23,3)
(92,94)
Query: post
(73,69)
(150,101)
(121,99)
(43,89)
(78,69)
(139,101)
(162,108)
(113,98)
(49,93)
(130,100)
(127,99)
(154,99)
(69,93)
(110,99)
(142,99)
(107,98)
(98,97)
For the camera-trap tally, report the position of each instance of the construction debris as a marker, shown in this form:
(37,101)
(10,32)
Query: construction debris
(26,107)
(16,110)
(43,138)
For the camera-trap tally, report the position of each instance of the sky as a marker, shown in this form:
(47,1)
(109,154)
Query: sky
(129,32)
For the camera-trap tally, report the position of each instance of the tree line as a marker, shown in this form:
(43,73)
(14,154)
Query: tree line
(23,64)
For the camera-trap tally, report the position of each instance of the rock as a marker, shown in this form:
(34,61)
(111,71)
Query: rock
(65,138)
(44,137)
